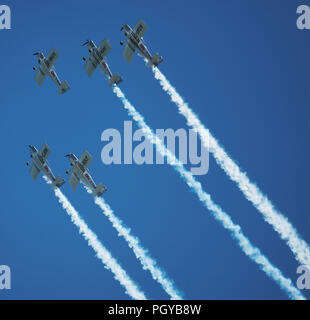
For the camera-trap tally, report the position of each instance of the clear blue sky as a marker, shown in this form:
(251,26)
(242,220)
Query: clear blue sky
(243,67)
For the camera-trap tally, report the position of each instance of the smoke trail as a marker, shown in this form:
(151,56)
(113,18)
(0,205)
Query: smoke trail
(147,262)
(271,215)
(223,218)
(101,252)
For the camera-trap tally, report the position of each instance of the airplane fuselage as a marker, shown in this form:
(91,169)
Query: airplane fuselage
(88,181)
(135,43)
(105,68)
(80,173)
(83,174)
(45,68)
(42,165)
(96,55)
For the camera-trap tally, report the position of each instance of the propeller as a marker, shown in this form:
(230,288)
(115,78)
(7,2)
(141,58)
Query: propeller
(84,44)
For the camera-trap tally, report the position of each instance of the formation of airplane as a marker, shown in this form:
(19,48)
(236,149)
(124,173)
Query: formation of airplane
(40,164)
(96,59)
(46,67)
(134,41)
(80,172)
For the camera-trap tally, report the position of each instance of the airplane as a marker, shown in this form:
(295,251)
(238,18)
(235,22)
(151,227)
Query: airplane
(80,172)
(96,58)
(40,163)
(135,41)
(46,67)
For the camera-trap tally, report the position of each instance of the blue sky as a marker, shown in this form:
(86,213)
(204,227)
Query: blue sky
(241,65)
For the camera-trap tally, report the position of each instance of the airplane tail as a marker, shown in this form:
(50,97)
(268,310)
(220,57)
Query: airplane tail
(100,190)
(64,87)
(59,182)
(115,79)
(156,59)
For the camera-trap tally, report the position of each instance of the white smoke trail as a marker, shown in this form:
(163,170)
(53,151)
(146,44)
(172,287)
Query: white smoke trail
(141,254)
(271,215)
(235,230)
(101,252)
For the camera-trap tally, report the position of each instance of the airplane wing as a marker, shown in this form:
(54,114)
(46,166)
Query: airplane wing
(40,76)
(74,181)
(44,153)
(93,62)
(139,29)
(91,65)
(34,171)
(85,159)
(128,52)
(51,58)
(104,48)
